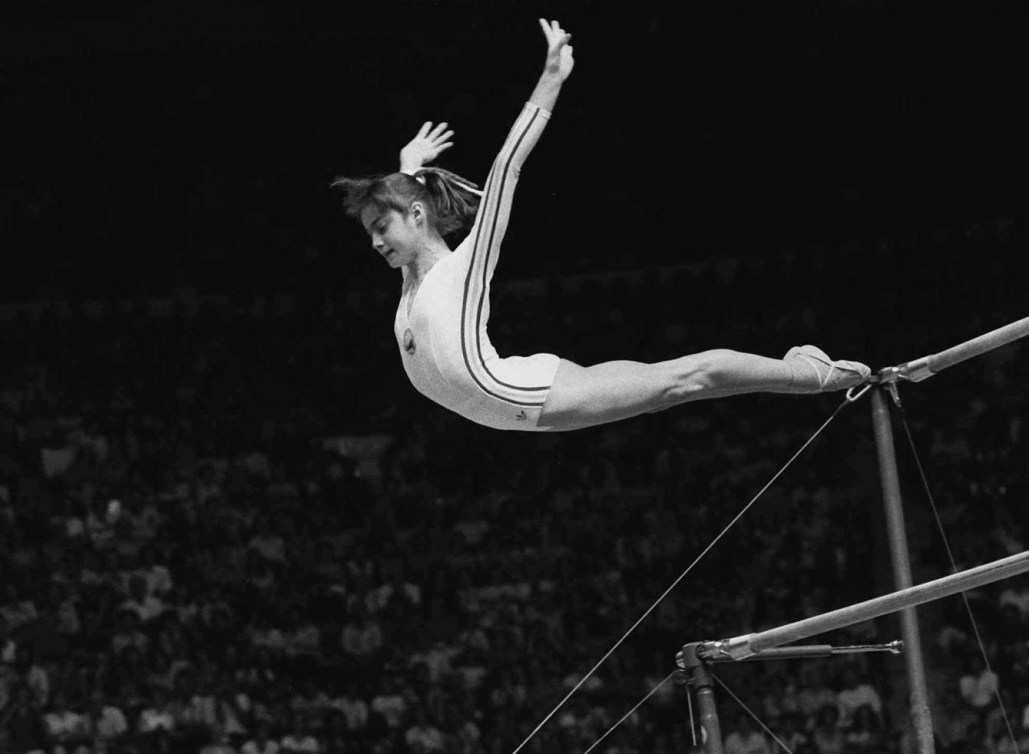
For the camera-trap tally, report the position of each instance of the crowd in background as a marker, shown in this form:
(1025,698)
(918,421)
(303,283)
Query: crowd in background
(189,563)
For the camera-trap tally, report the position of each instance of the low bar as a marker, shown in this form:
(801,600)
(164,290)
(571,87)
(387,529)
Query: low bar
(743,646)
(927,366)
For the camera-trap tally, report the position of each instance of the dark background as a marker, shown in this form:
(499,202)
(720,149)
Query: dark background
(159,144)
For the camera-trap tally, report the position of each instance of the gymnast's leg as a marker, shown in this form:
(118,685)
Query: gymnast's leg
(588,396)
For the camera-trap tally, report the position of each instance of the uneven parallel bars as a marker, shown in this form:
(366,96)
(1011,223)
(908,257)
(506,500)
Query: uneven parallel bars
(743,646)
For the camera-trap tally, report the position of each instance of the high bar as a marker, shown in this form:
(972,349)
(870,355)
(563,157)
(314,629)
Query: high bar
(927,366)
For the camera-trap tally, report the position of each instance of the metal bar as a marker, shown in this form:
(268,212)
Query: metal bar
(896,532)
(894,648)
(743,646)
(925,367)
(787,653)
(816,650)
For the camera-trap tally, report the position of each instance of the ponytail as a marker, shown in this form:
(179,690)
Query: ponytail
(455,200)
(452,200)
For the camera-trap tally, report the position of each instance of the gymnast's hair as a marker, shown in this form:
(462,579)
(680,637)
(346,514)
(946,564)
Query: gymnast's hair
(451,199)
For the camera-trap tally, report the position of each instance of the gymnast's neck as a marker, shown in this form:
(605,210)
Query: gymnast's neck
(426,258)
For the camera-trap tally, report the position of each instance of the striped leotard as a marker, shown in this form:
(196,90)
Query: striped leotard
(442,332)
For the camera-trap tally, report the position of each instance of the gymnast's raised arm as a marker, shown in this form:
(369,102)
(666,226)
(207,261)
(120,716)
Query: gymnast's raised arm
(557,68)
(494,212)
(527,128)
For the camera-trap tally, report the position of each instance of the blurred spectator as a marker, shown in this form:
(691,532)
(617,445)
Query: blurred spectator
(977,684)
(353,708)
(952,726)
(790,731)
(67,602)
(390,705)
(15,608)
(976,741)
(422,736)
(141,600)
(266,542)
(780,698)
(745,738)
(304,638)
(107,722)
(866,732)
(854,693)
(158,578)
(8,645)
(36,675)
(23,723)
(813,694)
(1003,743)
(1016,595)
(67,730)
(157,713)
(299,738)
(308,699)
(220,744)
(260,742)
(826,734)
(398,595)
(129,632)
(362,635)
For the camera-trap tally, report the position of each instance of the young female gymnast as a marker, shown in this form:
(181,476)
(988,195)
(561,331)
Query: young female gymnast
(440,324)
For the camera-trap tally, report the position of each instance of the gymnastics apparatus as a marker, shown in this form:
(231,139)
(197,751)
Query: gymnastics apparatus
(693,659)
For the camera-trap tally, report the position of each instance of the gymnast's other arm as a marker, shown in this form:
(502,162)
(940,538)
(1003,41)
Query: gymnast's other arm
(425,147)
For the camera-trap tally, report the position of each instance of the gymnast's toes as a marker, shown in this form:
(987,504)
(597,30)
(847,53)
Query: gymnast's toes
(813,370)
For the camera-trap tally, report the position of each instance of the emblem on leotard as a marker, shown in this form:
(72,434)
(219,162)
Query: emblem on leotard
(409,342)
(521,416)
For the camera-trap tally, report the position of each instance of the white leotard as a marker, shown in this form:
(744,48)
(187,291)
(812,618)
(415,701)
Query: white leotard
(443,342)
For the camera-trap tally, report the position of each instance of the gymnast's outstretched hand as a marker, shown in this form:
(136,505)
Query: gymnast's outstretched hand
(425,147)
(559,61)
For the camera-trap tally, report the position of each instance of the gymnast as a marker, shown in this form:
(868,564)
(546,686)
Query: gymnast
(440,325)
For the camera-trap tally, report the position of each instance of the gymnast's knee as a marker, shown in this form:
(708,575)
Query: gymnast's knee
(692,376)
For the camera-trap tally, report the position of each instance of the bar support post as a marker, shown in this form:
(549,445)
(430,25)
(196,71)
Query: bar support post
(896,530)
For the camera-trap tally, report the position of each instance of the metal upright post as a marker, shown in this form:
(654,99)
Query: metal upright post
(897,535)
(700,679)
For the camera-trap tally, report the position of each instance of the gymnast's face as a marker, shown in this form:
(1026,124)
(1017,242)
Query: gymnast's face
(395,236)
